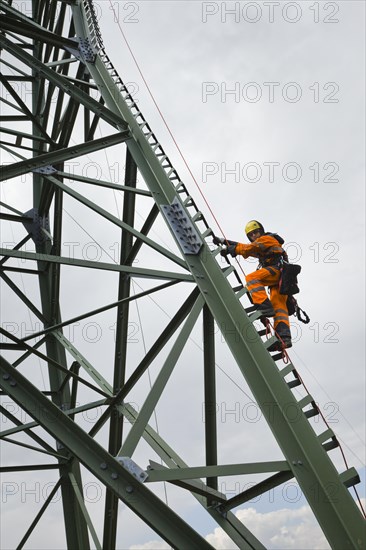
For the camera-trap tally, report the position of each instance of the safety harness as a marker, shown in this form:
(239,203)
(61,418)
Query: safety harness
(276,257)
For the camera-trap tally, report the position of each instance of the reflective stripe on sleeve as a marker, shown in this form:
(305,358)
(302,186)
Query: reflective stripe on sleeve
(253,282)
(257,289)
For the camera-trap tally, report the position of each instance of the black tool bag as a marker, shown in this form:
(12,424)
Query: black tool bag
(288,281)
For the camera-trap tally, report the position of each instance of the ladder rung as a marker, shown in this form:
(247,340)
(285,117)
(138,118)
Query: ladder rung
(312,412)
(188,201)
(270,341)
(328,434)
(228,270)
(181,188)
(240,292)
(250,309)
(309,400)
(332,444)
(287,369)
(294,383)
(254,316)
(216,252)
(207,232)
(277,356)
(328,440)
(198,216)
(350,477)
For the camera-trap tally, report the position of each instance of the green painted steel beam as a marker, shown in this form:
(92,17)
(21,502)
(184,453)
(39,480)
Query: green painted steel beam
(21,295)
(22,107)
(199,488)
(39,514)
(61,155)
(85,512)
(61,82)
(209,366)
(39,33)
(58,368)
(157,389)
(228,521)
(20,427)
(257,490)
(12,209)
(76,262)
(28,467)
(98,310)
(340,519)
(120,223)
(21,17)
(150,219)
(116,425)
(30,447)
(21,270)
(19,146)
(302,449)
(99,462)
(27,428)
(75,525)
(17,70)
(55,269)
(13,218)
(103,183)
(151,354)
(98,378)
(22,135)
(156,473)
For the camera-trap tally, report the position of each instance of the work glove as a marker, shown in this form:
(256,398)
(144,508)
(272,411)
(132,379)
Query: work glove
(229,246)
(222,241)
(229,249)
(218,240)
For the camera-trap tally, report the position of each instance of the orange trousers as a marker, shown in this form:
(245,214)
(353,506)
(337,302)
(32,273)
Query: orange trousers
(256,283)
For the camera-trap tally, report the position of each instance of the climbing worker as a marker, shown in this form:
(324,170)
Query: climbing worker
(267,247)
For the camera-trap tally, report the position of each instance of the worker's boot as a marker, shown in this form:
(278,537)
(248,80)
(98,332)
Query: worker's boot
(266,308)
(283,333)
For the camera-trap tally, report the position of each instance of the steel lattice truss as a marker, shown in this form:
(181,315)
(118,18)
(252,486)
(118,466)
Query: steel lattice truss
(78,108)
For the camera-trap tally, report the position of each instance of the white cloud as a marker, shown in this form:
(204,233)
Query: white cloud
(281,529)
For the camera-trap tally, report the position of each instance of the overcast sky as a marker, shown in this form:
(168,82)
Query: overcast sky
(266,102)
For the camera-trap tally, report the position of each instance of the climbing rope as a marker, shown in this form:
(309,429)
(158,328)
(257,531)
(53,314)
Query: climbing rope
(285,355)
(170,132)
(286,359)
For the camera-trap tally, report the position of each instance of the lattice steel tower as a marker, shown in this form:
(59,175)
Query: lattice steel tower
(78,107)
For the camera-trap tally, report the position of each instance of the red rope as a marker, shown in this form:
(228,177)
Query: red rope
(339,444)
(285,355)
(170,132)
(286,359)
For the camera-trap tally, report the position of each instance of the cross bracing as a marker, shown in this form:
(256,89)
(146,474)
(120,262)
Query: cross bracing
(74,258)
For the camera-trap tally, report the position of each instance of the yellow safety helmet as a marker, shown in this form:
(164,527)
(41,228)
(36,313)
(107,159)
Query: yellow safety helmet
(252,226)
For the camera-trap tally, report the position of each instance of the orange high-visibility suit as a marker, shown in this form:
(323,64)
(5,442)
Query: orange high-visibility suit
(267,248)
